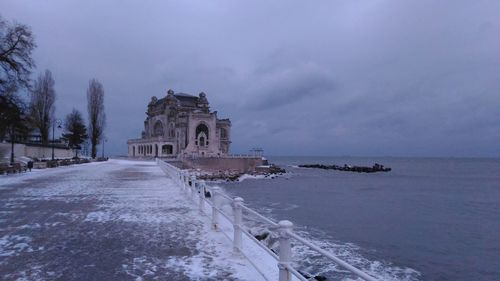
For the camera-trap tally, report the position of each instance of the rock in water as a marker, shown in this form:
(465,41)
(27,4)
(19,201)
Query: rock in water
(262,236)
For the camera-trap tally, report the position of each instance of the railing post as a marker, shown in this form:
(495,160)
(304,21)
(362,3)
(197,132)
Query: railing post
(237,202)
(201,202)
(186,182)
(215,213)
(285,250)
(196,188)
(192,191)
(192,188)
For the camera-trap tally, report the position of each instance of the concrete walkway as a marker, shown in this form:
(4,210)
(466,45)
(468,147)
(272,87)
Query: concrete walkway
(119,220)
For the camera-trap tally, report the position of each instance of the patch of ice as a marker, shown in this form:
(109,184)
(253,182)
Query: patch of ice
(8,180)
(98,216)
(11,245)
(30,226)
(146,198)
(35,273)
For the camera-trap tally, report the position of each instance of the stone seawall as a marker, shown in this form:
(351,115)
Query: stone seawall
(215,164)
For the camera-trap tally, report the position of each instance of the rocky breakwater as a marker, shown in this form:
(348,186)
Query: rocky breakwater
(348,168)
(264,171)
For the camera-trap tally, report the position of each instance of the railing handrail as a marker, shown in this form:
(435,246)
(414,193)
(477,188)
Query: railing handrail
(255,213)
(331,256)
(183,178)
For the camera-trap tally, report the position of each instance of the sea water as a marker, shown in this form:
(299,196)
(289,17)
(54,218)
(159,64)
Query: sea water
(427,219)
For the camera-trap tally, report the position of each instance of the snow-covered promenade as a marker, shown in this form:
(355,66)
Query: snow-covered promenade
(115,220)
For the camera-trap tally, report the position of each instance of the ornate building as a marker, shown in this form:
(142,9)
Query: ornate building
(181,125)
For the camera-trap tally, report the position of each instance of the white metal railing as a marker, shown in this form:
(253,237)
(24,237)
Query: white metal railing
(196,189)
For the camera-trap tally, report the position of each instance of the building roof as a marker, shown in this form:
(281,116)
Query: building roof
(185,95)
(186,99)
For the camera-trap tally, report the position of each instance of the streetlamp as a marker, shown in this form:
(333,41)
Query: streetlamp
(103,140)
(57,122)
(12,144)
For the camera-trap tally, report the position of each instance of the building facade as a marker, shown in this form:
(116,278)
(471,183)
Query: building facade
(181,125)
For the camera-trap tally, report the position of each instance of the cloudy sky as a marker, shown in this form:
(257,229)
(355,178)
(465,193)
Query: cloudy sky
(345,77)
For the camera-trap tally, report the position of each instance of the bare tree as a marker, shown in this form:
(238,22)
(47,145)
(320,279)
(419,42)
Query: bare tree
(76,133)
(41,104)
(97,116)
(16,45)
(12,118)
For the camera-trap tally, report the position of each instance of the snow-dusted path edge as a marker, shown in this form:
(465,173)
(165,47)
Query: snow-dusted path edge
(119,220)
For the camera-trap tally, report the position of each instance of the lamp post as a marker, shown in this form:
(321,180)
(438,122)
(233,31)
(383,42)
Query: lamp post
(103,140)
(57,122)
(12,144)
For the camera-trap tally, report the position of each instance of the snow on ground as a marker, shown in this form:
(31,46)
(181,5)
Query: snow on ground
(115,220)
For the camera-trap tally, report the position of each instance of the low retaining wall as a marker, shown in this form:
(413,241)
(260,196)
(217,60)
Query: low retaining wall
(33,151)
(214,164)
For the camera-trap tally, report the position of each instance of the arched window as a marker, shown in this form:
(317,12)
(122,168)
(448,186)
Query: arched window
(202,128)
(202,135)
(158,129)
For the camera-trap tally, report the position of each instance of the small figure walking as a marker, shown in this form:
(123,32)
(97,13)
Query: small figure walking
(30,165)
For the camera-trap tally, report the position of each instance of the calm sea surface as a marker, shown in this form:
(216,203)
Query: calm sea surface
(427,219)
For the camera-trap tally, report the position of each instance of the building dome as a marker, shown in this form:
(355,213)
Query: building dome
(171,100)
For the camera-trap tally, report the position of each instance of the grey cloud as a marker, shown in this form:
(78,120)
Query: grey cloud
(416,78)
(285,86)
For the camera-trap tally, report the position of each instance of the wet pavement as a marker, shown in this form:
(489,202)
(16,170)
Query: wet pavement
(120,220)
